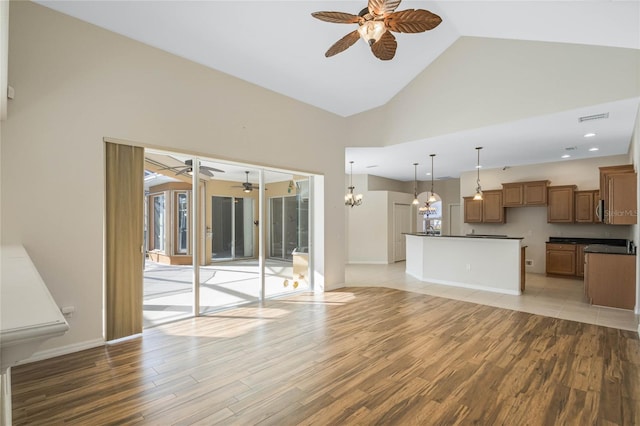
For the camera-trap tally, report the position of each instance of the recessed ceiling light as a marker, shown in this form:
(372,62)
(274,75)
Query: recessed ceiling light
(428,173)
(589,135)
(478,166)
(594,149)
(566,156)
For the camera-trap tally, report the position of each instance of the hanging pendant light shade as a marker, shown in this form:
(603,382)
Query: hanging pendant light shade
(478,196)
(350,199)
(432,197)
(415,184)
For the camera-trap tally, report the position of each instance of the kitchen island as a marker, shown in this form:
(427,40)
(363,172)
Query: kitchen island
(488,263)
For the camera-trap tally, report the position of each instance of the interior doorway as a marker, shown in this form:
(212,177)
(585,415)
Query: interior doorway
(401,226)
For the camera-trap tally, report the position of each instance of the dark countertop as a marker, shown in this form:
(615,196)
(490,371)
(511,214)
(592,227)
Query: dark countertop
(490,237)
(600,241)
(607,249)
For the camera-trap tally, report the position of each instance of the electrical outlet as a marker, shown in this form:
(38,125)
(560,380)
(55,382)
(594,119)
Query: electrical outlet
(468,266)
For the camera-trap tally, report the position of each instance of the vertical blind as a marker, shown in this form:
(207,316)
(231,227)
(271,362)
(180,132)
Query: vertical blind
(124,239)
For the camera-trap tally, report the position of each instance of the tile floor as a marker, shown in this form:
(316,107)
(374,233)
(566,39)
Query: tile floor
(553,297)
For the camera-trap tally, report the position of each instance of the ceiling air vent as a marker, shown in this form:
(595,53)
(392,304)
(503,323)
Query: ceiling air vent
(593,117)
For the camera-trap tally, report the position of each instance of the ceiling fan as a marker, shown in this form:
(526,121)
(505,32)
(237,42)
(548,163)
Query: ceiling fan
(375,23)
(247,186)
(188,168)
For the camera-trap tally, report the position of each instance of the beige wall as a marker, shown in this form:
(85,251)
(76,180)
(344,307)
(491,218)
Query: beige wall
(531,222)
(77,84)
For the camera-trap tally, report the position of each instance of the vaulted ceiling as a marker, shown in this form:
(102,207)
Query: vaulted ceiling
(278,45)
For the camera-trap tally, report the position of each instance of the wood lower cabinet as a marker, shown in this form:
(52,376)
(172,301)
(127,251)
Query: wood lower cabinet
(561,203)
(561,259)
(585,205)
(610,280)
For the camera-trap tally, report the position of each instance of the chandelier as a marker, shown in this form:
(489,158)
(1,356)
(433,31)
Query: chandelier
(415,184)
(350,199)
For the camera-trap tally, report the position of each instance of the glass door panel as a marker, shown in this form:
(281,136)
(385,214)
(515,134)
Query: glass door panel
(286,270)
(230,275)
(182,231)
(222,229)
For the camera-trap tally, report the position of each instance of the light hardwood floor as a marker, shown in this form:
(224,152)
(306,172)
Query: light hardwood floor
(354,356)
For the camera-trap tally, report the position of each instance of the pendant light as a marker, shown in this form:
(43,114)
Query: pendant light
(432,197)
(415,184)
(350,199)
(478,196)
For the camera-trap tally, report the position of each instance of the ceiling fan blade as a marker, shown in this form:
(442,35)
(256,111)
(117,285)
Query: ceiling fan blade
(183,171)
(412,21)
(205,172)
(211,169)
(385,48)
(343,44)
(382,7)
(337,17)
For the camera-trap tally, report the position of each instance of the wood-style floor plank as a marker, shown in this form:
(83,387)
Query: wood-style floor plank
(353,356)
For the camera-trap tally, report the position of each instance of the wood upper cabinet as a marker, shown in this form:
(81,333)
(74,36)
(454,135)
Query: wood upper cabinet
(535,193)
(609,170)
(472,210)
(586,203)
(518,194)
(560,205)
(561,259)
(512,194)
(492,208)
(621,206)
(618,190)
(487,210)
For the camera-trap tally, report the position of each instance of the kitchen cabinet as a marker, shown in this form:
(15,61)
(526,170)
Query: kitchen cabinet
(472,210)
(586,203)
(487,210)
(621,206)
(609,170)
(492,209)
(561,259)
(560,207)
(610,280)
(618,190)
(520,194)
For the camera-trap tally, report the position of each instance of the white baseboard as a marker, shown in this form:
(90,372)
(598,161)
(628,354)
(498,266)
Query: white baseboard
(472,286)
(63,350)
(368,262)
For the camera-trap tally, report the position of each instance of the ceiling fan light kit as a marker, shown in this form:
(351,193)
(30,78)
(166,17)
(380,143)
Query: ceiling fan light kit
(375,23)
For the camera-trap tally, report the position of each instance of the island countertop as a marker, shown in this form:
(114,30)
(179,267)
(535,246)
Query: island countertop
(488,236)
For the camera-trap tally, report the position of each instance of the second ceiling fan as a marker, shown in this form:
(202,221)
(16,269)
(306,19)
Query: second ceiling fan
(247,186)
(375,23)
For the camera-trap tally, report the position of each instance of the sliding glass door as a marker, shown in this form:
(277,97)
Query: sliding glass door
(232,230)
(288,238)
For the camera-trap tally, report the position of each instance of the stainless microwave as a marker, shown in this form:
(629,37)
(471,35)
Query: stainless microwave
(600,212)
